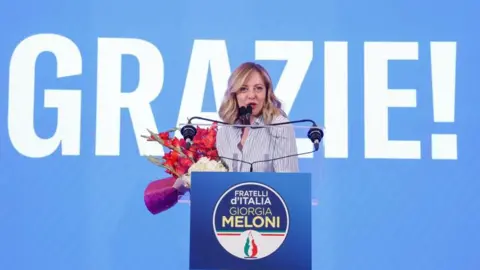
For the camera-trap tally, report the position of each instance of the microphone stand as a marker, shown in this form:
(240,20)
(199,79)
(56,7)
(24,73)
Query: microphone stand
(315,134)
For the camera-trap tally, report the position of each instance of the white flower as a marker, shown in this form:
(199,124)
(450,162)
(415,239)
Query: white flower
(204,164)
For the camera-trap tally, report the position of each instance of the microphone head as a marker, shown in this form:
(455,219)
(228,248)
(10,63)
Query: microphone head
(243,115)
(242,111)
(315,134)
(249,109)
(188,132)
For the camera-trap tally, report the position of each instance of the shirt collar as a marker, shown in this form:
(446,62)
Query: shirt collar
(258,120)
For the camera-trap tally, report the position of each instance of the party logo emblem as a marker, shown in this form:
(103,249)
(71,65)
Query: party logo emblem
(251,221)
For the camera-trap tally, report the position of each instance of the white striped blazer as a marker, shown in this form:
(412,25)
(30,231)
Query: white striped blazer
(261,144)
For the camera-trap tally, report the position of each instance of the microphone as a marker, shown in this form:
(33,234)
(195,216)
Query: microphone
(188,132)
(242,111)
(248,113)
(244,114)
(315,134)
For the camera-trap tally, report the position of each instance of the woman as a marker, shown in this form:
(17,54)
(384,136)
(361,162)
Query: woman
(250,84)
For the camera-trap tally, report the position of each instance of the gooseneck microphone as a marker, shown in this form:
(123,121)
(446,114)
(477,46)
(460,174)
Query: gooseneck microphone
(244,114)
(315,134)
(188,132)
(248,113)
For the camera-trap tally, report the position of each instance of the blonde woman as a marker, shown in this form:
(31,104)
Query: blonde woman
(250,84)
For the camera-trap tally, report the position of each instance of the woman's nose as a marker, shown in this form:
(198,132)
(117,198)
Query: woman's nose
(251,94)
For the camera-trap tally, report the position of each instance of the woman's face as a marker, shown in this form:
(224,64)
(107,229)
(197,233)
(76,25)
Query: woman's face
(253,93)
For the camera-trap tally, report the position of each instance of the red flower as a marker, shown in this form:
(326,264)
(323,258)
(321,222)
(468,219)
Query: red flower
(212,154)
(209,141)
(190,153)
(179,159)
(176,143)
(164,136)
(185,162)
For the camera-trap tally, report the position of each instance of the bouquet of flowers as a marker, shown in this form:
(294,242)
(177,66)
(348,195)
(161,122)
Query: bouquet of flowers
(179,162)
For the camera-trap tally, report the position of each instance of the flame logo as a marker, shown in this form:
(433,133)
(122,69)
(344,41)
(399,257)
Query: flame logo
(250,249)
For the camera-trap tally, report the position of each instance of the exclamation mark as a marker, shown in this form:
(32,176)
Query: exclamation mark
(443,66)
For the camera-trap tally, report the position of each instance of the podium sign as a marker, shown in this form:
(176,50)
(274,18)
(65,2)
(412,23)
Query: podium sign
(250,220)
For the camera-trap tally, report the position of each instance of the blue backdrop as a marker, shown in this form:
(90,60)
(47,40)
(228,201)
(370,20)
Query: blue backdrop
(396,180)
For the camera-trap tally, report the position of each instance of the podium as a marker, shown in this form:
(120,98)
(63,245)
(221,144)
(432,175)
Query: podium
(250,221)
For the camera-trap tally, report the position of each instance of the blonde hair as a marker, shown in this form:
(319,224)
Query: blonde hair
(228,111)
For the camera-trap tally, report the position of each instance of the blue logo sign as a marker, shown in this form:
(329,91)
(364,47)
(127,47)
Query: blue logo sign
(251,221)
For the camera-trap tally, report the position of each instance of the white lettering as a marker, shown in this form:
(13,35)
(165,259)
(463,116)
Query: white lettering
(110,99)
(443,58)
(378,98)
(209,58)
(22,91)
(205,54)
(336,99)
(298,56)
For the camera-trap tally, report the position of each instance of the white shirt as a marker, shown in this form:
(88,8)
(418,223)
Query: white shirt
(261,144)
